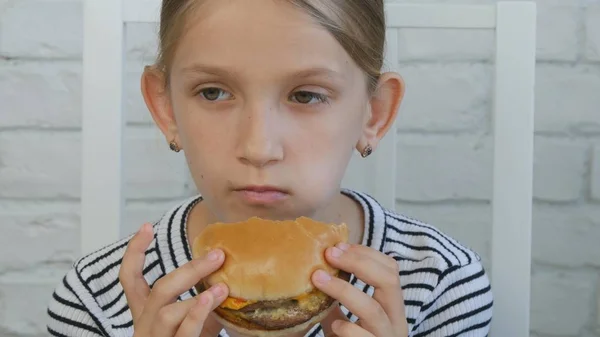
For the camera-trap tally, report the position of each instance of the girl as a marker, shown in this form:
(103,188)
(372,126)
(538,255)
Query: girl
(268,99)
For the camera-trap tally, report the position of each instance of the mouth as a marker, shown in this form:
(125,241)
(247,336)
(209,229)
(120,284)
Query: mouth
(261,195)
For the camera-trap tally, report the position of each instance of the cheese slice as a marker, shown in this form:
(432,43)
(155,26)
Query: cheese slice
(235,303)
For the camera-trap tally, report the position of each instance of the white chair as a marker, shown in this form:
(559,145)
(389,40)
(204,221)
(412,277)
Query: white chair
(515,27)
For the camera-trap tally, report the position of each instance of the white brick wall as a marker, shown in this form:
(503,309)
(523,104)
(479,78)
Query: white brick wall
(462,94)
(54,170)
(567,98)
(440,168)
(44,29)
(558,26)
(592,25)
(444,154)
(55,85)
(596,174)
(559,169)
(559,299)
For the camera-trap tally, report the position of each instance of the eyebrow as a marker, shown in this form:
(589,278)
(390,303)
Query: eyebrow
(317,72)
(204,69)
(224,72)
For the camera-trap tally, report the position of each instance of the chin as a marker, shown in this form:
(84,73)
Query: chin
(268,267)
(286,211)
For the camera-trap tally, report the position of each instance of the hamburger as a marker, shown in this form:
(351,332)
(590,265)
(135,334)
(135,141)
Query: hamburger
(268,267)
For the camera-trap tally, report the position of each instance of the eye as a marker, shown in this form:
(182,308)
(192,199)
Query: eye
(214,94)
(307,97)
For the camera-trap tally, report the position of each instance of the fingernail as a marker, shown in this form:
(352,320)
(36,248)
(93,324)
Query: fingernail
(204,299)
(146,228)
(217,291)
(322,277)
(336,325)
(343,246)
(336,252)
(214,255)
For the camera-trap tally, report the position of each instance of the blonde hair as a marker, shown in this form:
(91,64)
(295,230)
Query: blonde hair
(358,25)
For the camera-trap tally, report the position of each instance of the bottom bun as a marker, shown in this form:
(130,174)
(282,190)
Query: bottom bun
(275,333)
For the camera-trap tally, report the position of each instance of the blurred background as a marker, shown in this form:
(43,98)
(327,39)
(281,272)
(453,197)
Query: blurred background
(444,154)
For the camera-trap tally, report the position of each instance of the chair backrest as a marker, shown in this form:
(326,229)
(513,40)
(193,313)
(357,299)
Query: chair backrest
(515,26)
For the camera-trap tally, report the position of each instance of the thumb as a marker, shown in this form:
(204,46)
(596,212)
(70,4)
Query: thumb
(335,315)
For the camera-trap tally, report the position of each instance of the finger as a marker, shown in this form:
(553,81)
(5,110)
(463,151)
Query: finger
(173,284)
(343,328)
(212,327)
(370,312)
(169,318)
(360,262)
(131,276)
(376,255)
(194,322)
(335,315)
(377,270)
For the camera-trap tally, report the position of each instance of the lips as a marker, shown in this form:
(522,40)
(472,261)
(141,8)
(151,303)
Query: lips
(262,189)
(261,195)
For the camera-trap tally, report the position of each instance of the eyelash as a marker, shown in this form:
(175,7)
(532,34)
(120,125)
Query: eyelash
(203,91)
(321,98)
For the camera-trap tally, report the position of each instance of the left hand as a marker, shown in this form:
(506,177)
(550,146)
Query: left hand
(383,315)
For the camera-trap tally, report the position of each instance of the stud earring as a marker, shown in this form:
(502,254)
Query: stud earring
(367,151)
(174,147)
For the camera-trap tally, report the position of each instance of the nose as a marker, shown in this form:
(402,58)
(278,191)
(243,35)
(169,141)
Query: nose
(259,137)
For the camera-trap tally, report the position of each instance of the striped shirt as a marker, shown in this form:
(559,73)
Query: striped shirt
(446,290)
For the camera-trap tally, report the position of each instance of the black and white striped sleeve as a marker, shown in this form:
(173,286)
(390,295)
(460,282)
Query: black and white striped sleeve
(460,305)
(67,315)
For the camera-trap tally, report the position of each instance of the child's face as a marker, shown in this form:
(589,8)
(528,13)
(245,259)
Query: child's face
(248,81)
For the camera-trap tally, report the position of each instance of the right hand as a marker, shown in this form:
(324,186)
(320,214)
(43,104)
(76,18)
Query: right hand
(155,312)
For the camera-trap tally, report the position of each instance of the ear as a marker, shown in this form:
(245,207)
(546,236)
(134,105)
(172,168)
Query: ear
(158,101)
(383,109)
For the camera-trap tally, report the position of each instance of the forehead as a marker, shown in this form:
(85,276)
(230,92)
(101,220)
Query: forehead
(262,35)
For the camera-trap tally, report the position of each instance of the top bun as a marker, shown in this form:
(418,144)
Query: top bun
(269,260)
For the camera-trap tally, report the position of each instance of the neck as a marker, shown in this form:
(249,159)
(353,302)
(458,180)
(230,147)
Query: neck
(346,210)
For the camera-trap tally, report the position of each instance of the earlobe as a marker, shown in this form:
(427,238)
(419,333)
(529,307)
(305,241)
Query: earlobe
(383,105)
(158,101)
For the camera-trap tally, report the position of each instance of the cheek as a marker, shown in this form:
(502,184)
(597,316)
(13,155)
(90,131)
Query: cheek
(205,169)
(203,142)
(327,147)
(201,133)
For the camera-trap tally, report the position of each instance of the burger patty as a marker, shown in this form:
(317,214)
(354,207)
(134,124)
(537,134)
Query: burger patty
(275,315)
(268,305)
